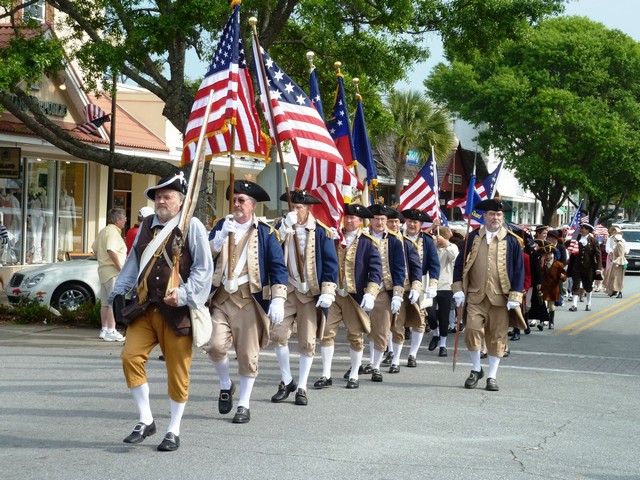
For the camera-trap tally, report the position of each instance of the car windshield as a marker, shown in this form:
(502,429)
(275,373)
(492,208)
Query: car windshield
(631,236)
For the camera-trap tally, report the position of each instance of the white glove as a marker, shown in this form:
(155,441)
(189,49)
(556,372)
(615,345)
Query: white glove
(432,292)
(367,302)
(414,295)
(512,305)
(396,303)
(229,226)
(325,300)
(458,297)
(335,233)
(291,218)
(276,310)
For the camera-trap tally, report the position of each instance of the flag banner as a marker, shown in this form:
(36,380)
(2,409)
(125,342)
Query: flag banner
(473,198)
(331,211)
(94,118)
(314,91)
(362,145)
(484,189)
(297,120)
(233,102)
(338,125)
(573,230)
(421,193)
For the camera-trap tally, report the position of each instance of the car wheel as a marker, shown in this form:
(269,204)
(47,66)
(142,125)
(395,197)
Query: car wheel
(70,296)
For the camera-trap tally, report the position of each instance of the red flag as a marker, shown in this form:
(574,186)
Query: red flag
(233,102)
(94,118)
(422,192)
(297,120)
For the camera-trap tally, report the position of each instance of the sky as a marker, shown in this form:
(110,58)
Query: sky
(619,14)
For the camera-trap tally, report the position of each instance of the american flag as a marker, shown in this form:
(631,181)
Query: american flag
(338,124)
(422,192)
(485,189)
(233,102)
(576,221)
(94,118)
(296,119)
(361,144)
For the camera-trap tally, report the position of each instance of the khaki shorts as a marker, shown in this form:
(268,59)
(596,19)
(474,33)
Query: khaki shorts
(105,290)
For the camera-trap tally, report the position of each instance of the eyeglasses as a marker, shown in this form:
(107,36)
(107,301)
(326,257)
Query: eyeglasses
(240,200)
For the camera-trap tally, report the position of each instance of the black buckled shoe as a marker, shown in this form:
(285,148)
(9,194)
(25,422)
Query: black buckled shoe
(368,369)
(492,386)
(516,336)
(483,354)
(301,397)
(472,380)
(243,415)
(388,358)
(376,375)
(411,361)
(170,443)
(323,382)
(347,374)
(353,383)
(573,308)
(284,391)
(442,352)
(433,343)
(588,308)
(140,432)
(394,368)
(225,400)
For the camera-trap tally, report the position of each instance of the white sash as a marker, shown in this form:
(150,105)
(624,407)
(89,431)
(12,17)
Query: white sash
(153,245)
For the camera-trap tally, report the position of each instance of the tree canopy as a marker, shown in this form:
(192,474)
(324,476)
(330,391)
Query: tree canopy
(147,41)
(561,106)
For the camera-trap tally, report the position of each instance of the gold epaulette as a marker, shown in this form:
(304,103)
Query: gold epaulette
(370,237)
(395,234)
(327,229)
(413,242)
(518,237)
(271,228)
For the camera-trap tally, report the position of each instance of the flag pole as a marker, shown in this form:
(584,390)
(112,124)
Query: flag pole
(354,163)
(232,181)
(191,199)
(253,21)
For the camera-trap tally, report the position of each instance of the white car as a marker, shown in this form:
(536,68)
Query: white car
(631,235)
(59,285)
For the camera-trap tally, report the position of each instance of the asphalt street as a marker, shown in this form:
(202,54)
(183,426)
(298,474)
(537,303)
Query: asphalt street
(567,409)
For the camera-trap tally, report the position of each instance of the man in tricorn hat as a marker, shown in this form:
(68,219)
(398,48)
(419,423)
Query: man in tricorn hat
(584,266)
(360,275)
(250,288)
(306,294)
(162,316)
(490,279)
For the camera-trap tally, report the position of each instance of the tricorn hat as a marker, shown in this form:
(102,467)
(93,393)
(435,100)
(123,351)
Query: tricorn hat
(300,196)
(539,228)
(357,210)
(415,214)
(250,189)
(586,225)
(174,182)
(555,234)
(547,247)
(493,205)
(387,211)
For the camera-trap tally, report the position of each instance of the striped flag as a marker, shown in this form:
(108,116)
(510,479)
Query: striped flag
(361,144)
(94,118)
(422,192)
(484,189)
(576,220)
(233,102)
(297,120)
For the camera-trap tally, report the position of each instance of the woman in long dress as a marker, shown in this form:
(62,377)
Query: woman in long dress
(614,281)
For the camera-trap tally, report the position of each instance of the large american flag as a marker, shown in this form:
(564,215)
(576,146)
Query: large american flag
(422,192)
(233,102)
(321,167)
(94,118)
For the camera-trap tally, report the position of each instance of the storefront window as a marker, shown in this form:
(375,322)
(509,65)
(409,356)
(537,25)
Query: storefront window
(41,195)
(70,208)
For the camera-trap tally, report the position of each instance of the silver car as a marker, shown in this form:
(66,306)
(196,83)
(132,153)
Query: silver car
(59,285)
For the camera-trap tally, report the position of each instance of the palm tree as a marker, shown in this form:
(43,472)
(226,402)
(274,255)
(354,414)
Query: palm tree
(417,125)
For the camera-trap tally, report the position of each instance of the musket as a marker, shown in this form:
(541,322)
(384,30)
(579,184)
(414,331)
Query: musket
(190,200)
(253,21)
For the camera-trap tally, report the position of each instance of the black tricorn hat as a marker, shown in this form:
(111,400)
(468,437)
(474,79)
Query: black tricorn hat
(250,189)
(300,196)
(492,204)
(387,211)
(548,247)
(555,234)
(415,214)
(586,225)
(174,182)
(539,228)
(357,210)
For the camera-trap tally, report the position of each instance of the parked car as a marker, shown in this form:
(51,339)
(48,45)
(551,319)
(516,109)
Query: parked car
(631,235)
(60,285)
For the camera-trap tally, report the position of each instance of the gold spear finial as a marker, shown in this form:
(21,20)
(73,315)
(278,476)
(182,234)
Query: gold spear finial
(337,66)
(310,56)
(253,21)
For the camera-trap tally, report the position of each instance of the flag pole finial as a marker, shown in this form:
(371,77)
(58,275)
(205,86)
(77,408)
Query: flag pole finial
(310,56)
(337,66)
(253,21)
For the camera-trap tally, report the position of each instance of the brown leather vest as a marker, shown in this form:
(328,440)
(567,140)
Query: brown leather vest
(157,280)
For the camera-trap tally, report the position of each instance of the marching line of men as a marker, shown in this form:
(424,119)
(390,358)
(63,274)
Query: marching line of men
(260,280)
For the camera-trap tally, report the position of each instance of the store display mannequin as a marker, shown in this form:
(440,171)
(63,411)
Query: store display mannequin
(67,222)
(10,206)
(37,202)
